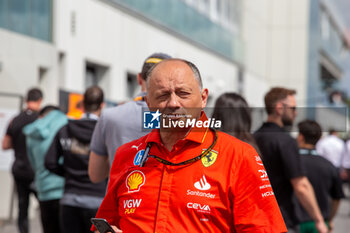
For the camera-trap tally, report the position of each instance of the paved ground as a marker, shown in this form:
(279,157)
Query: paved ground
(342,221)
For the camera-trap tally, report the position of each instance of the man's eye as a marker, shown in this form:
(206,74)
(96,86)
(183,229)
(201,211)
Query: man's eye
(183,93)
(162,96)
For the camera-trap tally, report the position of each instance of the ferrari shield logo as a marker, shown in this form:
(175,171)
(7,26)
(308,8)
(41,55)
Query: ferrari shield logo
(210,158)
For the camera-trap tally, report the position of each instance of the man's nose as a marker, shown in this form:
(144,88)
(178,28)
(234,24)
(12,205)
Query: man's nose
(173,101)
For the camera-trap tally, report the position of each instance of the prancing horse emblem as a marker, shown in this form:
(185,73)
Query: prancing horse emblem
(210,158)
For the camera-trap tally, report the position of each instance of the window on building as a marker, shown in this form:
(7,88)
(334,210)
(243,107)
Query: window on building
(132,85)
(330,73)
(96,74)
(61,69)
(42,78)
(30,17)
(91,76)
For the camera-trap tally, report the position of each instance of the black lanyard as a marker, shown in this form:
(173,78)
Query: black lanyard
(146,155)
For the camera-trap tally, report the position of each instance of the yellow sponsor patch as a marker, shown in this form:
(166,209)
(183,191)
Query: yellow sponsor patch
(210,158)
(134,181)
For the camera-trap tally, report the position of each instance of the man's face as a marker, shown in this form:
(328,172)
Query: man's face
(289,110)
(174,90)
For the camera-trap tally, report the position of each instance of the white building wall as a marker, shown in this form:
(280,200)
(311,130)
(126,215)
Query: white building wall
(255,89)
(21,58)
(276,36)
(288,45)
(109,36)
(255,35)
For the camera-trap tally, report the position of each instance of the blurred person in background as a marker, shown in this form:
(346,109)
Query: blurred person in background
(21,169)
(39,136)
(323,177)
(345,171)
(331,148)
(235,115)
(119,125)
(81,198)
(280,155)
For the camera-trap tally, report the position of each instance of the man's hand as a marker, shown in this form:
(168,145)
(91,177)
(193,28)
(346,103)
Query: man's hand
(331,226)
(114,228)
(321,227)
(306,196)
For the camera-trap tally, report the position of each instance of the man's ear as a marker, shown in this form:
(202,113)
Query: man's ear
(139,79)
(279,108)
(204,95)
(300,139)
(102,105)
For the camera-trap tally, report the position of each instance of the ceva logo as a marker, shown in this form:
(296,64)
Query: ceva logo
(202,184)
(199,207)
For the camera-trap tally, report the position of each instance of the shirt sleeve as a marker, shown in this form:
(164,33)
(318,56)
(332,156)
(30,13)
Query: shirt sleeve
(255,208)
(109,209)
(52,157)
(291,161)
(346,156)
(97,144)
(109,206)
(9,130)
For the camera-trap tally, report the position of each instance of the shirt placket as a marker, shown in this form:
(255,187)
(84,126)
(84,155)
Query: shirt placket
(165,192)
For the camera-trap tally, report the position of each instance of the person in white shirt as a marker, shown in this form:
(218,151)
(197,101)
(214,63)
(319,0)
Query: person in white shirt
(331,148)
(345,171)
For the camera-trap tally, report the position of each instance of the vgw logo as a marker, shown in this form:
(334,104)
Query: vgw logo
(151,120)
(131,205)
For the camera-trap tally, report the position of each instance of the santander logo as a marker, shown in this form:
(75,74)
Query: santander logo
(202,184)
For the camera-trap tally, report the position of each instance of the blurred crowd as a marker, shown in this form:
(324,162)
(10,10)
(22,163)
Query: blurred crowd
(66,162)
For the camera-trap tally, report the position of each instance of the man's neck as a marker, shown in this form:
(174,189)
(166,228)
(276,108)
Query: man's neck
(275,119)
(96,113)
(169,137)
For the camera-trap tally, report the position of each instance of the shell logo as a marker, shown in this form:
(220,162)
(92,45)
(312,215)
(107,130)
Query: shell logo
(134,181)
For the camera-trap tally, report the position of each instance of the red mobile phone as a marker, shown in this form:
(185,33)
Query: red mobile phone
(102,225)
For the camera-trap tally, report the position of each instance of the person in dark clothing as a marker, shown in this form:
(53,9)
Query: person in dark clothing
(234,113)
(21,169)
(281,158)
(81,197)
(322,174)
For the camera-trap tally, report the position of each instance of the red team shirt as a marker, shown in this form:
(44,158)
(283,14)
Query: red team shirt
(226,191)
